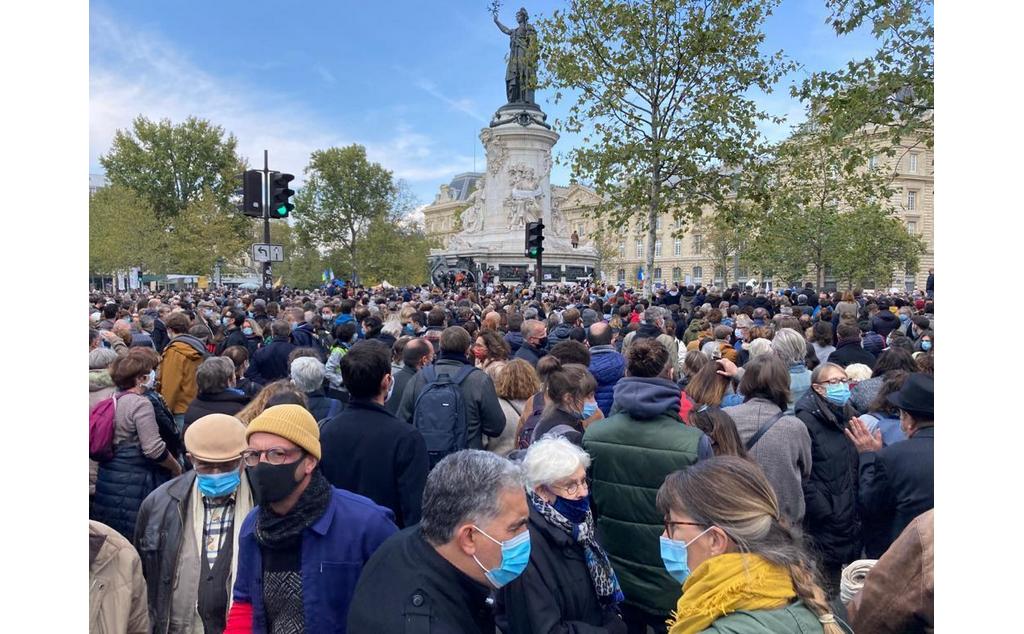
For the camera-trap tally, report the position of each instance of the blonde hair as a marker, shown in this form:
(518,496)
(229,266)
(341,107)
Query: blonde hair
(259,402)
(858,372)
(734,495)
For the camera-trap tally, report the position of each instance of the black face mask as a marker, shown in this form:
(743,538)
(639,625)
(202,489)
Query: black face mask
(272,483)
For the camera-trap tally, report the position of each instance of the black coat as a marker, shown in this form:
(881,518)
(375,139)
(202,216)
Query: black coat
(896,485)
(885,322)
(401,379)
(271,362)
(408,588)
(529,354)
(322,406)
(160,336)
(235,337)
(368,451)
(230,402)
(554,593)
(831,518)
(849,352)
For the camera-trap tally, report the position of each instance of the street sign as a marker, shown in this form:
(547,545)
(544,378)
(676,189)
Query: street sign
(267,253)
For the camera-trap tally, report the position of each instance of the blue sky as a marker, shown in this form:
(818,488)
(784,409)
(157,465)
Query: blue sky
(412,81)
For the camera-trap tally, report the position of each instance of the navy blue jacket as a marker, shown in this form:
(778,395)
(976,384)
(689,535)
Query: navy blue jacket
(302,336)
(607,366)
(896,485)
(514,340)
(270,363)
(334,550)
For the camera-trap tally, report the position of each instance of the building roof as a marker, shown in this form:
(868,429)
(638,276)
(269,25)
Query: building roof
(462,184)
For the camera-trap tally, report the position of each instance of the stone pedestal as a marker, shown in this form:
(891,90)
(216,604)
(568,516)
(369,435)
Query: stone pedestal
(515,190)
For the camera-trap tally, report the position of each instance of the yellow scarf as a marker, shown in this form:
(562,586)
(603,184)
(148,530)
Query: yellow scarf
(728,583)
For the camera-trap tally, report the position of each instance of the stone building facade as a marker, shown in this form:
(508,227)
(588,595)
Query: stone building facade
(686,258)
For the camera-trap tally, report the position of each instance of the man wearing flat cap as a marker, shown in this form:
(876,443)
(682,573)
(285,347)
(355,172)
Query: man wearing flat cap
(302,549)
(897,483)
(187,531)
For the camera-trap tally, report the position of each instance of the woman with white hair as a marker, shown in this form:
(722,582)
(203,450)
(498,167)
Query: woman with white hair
(569,584)
(790,346)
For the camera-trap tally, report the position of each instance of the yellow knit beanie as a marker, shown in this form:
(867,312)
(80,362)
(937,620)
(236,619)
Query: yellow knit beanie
(291,422)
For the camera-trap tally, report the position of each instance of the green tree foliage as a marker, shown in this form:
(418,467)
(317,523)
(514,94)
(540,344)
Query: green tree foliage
(121,230)
(829,212)
(342,196)
(396,252)
(201,233)
(893,89)
(171,165)
(663,99)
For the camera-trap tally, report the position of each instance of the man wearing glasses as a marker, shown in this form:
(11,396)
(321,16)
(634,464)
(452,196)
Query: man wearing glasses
(187,531)
(303,548)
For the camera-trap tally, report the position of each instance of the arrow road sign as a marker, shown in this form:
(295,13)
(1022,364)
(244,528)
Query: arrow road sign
(267,253)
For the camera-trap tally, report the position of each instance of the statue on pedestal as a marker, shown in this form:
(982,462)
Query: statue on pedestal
(521,73)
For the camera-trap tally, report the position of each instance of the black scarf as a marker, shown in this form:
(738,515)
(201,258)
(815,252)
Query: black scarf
(277,531)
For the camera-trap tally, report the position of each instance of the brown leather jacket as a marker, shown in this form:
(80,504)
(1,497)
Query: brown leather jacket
(899,592)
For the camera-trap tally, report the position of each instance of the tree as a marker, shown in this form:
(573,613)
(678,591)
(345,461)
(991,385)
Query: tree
(826,210)
(396,252)
(663,99)
(891,90)
(122,228)
(343,194)
(171,165)
(201,233)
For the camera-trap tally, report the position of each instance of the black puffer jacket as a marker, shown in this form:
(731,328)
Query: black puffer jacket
(554,593)
(831,520)
(121,485)
(559,334)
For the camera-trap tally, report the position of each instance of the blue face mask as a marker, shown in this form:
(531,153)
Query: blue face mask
(673,555)
(573,510)
(588,410)
(215,485)
(295,325)
(904,318)
(247,331)
(837,394)
(926,345)
(515,554)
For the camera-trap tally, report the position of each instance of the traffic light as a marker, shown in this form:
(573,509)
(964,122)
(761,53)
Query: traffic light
(252,193)
(279,195)
(534,239)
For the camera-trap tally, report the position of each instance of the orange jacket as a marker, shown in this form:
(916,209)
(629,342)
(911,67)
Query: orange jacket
(177,376)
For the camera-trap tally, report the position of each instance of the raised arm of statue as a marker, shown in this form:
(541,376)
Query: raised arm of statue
(504,29)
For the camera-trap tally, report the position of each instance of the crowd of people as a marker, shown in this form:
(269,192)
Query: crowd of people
(577,458)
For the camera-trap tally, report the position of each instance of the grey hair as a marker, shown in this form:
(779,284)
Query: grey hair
(101,358)
(818,371)
(465,487)
(214,374)
(146,322)
(551,459)
(759,346)
(307,373)
(530,313)
(392,327)
(790,346)
(653,314)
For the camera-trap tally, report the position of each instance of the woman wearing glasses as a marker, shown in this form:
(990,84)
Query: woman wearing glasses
(741,567)
(569,584)
(831,519)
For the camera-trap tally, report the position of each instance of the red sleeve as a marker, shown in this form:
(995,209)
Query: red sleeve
(239,618)
(685,406)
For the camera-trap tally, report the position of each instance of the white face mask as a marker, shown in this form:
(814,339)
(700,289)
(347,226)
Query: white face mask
(391,388)
(151,381)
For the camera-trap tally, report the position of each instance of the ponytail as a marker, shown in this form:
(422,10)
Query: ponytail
(810,592)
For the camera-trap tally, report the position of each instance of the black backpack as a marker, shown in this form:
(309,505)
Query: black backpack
(439,413)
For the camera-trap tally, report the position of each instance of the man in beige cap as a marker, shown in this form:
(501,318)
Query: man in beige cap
(302,549)
(187,530)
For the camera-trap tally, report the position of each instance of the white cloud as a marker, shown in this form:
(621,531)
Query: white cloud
(464,105)
(134,72)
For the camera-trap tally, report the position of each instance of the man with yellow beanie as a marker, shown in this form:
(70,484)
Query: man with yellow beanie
(302,549)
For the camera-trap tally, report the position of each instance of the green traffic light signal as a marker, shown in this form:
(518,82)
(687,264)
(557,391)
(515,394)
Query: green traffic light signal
(282,211)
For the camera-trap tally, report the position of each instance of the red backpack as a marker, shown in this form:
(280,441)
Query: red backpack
(101,429)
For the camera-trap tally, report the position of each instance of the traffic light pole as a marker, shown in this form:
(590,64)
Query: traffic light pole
(268,277)
(540,272)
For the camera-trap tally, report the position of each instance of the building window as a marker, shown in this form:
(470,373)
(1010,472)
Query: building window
(873,162)
(622,250)
(698,274)
(622,275)
(697,244)
(657,273)
(912,226)
(911,200)
(719,274)
(639,248)
(677,247)
(913,164)
(677,273)
(657,248)
(657,223)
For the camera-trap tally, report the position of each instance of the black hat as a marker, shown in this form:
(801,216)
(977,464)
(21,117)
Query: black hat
(917,395)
